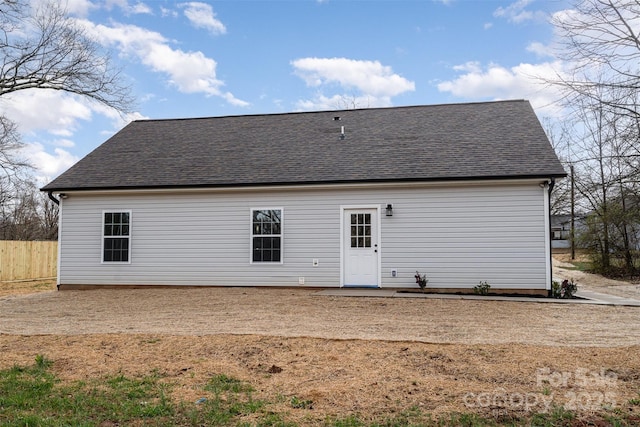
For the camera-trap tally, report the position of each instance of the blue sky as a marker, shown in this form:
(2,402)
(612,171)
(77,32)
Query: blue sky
(191,59)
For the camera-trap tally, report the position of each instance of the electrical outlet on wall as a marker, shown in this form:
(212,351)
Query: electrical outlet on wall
(315,262)
(300,280)
(394,272)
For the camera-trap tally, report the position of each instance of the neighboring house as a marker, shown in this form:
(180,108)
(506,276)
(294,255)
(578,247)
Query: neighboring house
(560,231)
(320,199)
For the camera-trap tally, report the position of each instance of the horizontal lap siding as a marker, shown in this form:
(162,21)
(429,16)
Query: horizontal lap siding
(198,239)
(456,235)
(463,236)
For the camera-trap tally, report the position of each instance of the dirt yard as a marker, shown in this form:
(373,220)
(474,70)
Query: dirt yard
(365,356)
(563,269)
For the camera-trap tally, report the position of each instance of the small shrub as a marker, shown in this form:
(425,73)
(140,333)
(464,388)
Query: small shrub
(482,288)
(566,289)
(421,280)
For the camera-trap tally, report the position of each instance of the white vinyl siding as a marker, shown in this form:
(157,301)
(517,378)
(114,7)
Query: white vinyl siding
(456,234)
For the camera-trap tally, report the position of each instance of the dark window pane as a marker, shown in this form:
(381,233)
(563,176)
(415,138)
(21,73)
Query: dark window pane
(360,242)
(266,228)
(125,217)
(116,218)
(367,230)
(107,218)
(266,246)
(125,230)
(367,218)
(116,250)
(354,219)
(354,242)
(367,242)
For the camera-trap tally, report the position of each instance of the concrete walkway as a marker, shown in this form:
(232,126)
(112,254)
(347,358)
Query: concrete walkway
(584,296)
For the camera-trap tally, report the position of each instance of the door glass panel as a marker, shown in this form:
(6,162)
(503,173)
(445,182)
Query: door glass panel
(360,230)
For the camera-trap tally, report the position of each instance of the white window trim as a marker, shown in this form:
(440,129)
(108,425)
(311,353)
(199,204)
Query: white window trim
(251,210)
(102,236)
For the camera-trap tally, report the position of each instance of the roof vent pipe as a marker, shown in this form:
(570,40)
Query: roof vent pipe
(341,132)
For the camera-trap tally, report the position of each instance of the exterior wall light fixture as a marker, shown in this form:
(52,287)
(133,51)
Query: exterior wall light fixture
(389,209)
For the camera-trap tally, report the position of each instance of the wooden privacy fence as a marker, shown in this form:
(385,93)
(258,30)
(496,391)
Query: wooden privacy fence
(21,260)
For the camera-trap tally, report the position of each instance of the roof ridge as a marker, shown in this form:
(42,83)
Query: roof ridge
(289,113)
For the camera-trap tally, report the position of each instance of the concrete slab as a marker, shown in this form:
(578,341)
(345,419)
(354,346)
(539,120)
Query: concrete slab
(585,297)
(607,299)
(358,292)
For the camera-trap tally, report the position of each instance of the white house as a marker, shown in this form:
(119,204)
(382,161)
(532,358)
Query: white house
(363,197)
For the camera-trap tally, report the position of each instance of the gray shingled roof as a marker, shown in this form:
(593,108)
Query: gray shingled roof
(440,142)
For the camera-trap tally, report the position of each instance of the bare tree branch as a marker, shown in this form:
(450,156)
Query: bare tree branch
(48,50)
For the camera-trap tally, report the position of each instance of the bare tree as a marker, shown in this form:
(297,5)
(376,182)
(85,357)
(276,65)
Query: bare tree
(11,163)
(42,48)
(601,41)
(28,215)
(600,45)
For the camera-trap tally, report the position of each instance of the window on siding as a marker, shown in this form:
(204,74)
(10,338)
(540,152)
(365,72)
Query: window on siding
(266,235)
(116,233)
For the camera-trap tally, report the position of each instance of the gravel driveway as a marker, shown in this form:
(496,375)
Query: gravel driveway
(304,313)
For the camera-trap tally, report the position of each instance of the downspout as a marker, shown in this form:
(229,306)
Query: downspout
(57,202)
(53,199)
(552,183)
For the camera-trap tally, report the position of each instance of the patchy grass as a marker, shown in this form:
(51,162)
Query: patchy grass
(34,396)
(585,266)
(24,287)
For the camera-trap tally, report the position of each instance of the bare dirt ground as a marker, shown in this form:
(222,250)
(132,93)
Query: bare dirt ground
(367,356)
(563,269)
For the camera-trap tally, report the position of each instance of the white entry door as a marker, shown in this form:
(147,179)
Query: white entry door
(360,247)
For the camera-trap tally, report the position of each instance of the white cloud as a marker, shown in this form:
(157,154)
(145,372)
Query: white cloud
(140,8)
(168,12)
(40,109)
(540,49)
(516,12)
(136,9)
(487,25)
(67,143)
(374,82)
(80,7)
(342,102)
(370,77)
(201,15)
(189,72)
(48,165)
(496,82)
